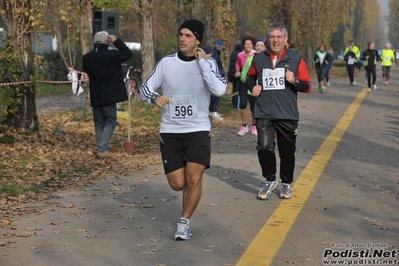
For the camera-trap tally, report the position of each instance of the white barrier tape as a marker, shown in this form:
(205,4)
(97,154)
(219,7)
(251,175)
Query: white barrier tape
(40,81)
(77,71)
(69,81)
(15,83)
(47,81)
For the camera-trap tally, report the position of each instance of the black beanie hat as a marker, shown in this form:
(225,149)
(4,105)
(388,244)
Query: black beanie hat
(195,26)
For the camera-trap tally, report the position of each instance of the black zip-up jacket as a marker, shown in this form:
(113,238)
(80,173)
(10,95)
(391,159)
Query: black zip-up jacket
(278,104)
(373,58)
(346,57)
(328,58)
(103,66)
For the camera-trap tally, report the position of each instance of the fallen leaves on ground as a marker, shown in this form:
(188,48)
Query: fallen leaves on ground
(60,157)
(37,165)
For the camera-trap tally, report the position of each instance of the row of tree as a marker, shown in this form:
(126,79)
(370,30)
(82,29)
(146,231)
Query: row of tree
(154,23)
(393,22)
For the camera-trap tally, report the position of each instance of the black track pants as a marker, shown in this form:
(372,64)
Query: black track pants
(286,138)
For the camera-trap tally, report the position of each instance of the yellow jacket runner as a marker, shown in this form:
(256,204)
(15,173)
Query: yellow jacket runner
(387,57)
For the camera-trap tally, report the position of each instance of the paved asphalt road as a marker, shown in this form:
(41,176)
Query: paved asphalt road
(351,207)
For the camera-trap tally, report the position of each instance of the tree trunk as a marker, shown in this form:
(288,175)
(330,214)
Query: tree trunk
(229,31)
(210,21)
(147,43)
(22,113)
(86,29)
(184,11)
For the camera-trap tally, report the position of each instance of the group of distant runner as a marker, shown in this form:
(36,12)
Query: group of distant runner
(354,59)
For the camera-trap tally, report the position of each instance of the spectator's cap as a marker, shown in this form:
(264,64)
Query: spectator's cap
(101,37)
(207,49)
(195,26)
(261,39)
(219,43)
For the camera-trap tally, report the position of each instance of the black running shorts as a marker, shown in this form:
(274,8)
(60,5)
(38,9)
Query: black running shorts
(179,148)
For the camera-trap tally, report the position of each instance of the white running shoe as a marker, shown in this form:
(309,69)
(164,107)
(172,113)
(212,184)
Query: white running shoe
(286,191)
(216,116)
(354,82)
(268,187)
(243,130)
(374,87)
(183,231)
(369,90)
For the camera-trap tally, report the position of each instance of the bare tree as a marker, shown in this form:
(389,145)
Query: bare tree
(184,11)
(86,29)
(144,10)
(22,113)
(210,12)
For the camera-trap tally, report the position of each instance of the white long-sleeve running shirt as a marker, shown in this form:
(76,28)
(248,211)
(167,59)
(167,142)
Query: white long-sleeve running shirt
(188,83)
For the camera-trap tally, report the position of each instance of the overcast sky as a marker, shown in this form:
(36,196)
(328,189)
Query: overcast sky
(384,4)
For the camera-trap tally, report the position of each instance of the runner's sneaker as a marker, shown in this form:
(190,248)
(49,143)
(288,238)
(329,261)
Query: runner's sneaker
(216,116)
(266,191)
(243,130)
(183,231)
(328,84)
(369,90)
(354,82)
(320,90)
(286,192)
(254,131)
(374,87)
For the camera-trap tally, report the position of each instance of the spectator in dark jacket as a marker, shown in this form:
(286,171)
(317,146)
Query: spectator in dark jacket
(216,54)
(231,74)
(107,88)
(214,103)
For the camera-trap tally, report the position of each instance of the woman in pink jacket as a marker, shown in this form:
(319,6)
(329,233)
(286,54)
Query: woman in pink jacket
(247,44)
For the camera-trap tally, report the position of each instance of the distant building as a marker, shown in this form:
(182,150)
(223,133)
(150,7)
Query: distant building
(44,43)
(41,42)
(3,35)
(133,45)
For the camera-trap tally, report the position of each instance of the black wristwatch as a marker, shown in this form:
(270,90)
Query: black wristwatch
(153,97)
(296,82)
